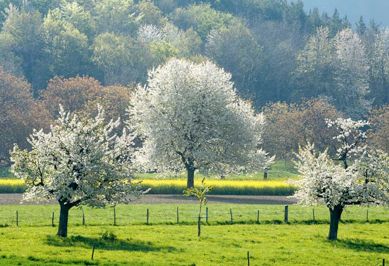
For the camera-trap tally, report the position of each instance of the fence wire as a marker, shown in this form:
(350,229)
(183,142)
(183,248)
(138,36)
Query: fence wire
(170,214)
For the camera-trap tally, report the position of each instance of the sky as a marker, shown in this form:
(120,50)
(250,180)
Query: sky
(369,9)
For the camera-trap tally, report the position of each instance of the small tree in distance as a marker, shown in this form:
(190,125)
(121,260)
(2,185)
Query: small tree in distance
(201,194)
(79,162)
(357,176)
(191,118)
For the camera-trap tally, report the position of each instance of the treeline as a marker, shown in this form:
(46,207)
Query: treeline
(275,51)
(287,125)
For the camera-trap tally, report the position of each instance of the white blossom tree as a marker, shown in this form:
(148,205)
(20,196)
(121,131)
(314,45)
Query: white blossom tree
(326,181)
(191,118)
(78,162)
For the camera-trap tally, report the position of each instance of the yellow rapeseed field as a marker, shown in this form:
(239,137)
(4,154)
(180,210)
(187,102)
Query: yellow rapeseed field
(11,185)
(176,186)
(11,182)
(217,183)
(221,187)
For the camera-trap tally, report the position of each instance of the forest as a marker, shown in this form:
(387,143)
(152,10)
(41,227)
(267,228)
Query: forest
(297,67)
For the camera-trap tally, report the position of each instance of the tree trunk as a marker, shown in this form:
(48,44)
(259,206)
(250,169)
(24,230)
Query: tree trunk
(335,215)
(63,220)
(191,171)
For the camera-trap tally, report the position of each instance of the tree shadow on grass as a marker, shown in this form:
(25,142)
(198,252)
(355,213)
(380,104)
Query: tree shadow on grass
(99,243)
(362,245)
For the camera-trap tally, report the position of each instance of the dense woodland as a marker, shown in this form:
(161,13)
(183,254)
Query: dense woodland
(298,68)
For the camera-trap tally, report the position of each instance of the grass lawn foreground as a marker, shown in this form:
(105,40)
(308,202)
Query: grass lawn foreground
(165,243)
(360,244)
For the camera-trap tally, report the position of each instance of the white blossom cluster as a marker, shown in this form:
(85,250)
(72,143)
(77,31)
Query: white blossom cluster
(351,138)
(149,33)
(190,115)
(79,161)
(323,181)
(365,181)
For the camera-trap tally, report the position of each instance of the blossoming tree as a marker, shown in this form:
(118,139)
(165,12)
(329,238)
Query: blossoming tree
(362,177)
(79,162)
(191,118)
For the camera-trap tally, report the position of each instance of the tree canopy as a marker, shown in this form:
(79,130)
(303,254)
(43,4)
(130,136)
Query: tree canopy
(191,118)
(78,162)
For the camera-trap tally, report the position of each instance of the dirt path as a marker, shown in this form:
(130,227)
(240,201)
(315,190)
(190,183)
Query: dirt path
(7,199)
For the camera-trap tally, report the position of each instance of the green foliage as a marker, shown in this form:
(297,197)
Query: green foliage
(255,9)
(25,41)
(202,18)
(67,47)
(150,14)
(77,15)
(122,59)
(236,50)
(5,171)
(115,16)
(161,51)
(200,192)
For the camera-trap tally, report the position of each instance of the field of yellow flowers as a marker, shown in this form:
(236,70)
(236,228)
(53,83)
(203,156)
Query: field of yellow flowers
(176,186)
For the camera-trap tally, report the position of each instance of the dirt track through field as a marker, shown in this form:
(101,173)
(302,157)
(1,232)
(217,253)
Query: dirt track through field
(8,199)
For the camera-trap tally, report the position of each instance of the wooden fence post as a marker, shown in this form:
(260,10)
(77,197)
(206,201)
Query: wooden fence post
(232,219)
(248,258)
(147,216)
(114,216)
(257,216)
(17,218)
(199,226)
(367,215)
(313,215)
(83,216)
(178,216)
(52,219)
(383,262)
(206,215)
(286,214)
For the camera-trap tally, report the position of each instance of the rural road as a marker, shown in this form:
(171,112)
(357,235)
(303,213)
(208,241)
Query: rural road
(6,199)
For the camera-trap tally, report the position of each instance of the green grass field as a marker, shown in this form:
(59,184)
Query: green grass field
(27,237)
(164,242)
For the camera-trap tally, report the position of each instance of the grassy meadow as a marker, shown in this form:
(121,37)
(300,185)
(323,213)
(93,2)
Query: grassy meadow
(269,244)
(27,236)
